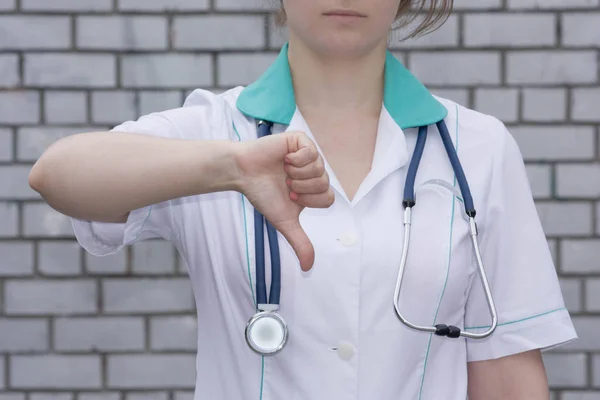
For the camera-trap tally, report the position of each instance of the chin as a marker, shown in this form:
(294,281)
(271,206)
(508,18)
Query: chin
(343,44)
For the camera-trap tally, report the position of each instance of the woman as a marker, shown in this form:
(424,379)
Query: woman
(345,116)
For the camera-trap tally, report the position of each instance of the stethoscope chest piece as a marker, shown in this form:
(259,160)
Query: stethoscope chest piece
(266,333)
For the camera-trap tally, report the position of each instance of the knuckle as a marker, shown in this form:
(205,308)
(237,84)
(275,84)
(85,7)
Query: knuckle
(323,184)
(330,197)
(320,167)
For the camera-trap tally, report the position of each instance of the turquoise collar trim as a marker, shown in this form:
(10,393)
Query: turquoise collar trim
(271,97)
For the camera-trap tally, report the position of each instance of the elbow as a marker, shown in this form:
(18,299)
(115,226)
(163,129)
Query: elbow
(36,178)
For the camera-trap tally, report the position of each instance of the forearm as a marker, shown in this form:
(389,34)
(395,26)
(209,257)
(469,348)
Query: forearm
(517,377)
(99,176)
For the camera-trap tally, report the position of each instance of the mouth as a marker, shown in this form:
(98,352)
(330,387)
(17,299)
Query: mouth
(344,13)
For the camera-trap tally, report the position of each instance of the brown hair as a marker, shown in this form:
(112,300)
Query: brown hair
(433,12)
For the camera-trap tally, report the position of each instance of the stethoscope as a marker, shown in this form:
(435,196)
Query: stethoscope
(267,332)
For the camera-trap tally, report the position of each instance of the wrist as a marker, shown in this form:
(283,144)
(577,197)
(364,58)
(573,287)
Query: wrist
(235,160)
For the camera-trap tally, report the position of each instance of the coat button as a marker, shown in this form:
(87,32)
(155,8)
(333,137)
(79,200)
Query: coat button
(345,351)
(348,239)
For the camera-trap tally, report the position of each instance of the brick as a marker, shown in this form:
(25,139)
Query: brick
(147,396)
(580,29)
(592,294)
(7,5)
(163,5)
(14,183)
(460,96)
(544,104)
(587,184)
(113,107)
(213,32)
(110,264)
(551,67)
(147,296)
(446,36)
(17,258)
(501,103)
(51,396)
(65,107)
(245,5)
(476,5)
(19,107)
(9,70)
(20,335)
(174,333)
(277,35)
(151,371)
(31,297)
(489,30)
(571,291)
(565,142)
(540,180)
(51,371)
(6,145)
(99,334)
(573,218)
(566,370)
(460,68)
(596,371)
(182,266)
(12,395)
(33,141)
(35,32)
(166,70)
(584,104)
(99,396)
(59,258)
(41,220)
(551,4)
(242,69)
(70,70)
(597,218)
(153,257)
(66,5)
(122,33)
(9,215)
(580,395)
(159,101)
(580,256)
(553,246)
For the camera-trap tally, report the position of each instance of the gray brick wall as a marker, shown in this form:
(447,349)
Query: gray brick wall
(77,327)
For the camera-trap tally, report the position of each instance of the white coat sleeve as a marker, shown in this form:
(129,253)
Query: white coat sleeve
(153,221)
(518,262)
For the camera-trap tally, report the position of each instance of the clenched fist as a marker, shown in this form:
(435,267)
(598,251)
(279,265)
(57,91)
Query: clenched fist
(280,175)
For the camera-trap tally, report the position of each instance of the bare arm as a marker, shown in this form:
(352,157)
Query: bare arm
(102,176)
(517,377)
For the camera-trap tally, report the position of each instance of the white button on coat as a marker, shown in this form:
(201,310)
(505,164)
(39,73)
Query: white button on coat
(348,239)
(346,351)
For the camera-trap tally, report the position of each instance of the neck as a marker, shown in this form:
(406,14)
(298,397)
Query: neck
(334,87)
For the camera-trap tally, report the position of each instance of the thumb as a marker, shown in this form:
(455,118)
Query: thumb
(300,242)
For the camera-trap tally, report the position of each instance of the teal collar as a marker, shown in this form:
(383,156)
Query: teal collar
(271,97)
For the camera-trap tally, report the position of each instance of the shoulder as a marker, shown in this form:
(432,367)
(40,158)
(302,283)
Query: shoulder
(485,134)
(205,115)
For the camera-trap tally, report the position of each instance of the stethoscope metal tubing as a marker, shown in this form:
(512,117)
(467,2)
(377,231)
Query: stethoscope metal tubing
(409,202)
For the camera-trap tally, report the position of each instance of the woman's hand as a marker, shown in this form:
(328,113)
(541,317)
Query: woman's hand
(280,175)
